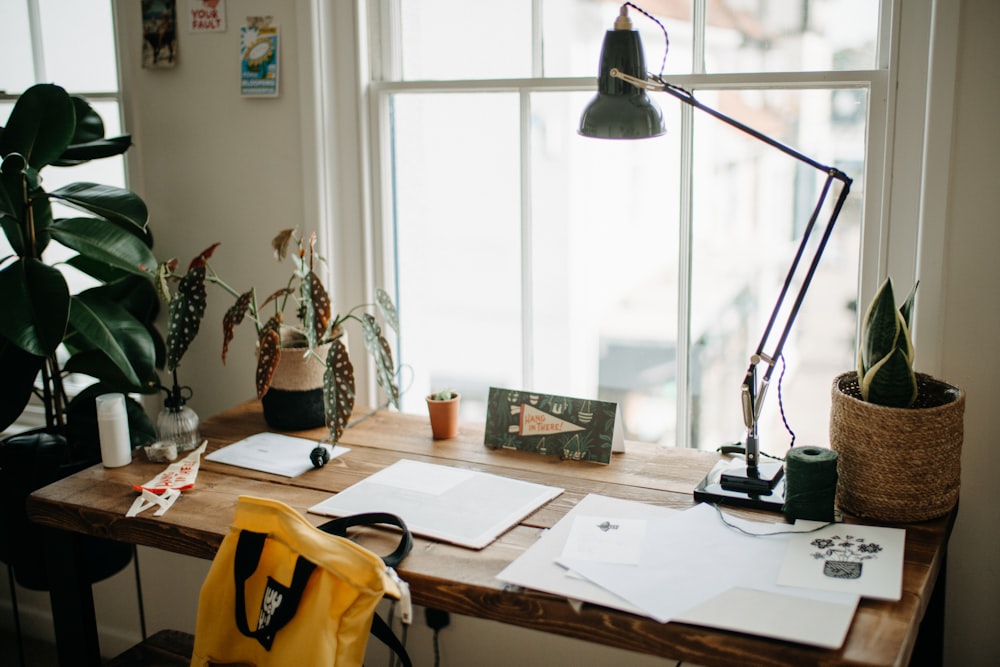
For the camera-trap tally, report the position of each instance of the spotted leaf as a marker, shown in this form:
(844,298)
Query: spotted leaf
(378,347)
(280,243)
(268,355)
(388,309)
(338,389)
(186,312)
(234,316)
(317,307)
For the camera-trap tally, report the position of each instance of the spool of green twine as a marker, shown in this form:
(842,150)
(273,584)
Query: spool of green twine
(810,483)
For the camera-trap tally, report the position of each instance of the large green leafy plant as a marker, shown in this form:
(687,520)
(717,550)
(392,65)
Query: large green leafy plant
(314,323)
(885,356)
(47,332)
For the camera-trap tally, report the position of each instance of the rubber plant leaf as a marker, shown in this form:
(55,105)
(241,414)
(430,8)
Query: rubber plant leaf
(37,306)
(40,126)
(100,324)
(234,316)
(105,242)
(105,201)
(378,347)
(338,389)
(20,369)
(11,184)
(187,309)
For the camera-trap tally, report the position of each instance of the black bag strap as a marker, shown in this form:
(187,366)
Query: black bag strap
(380,629)
(280,603)
(339,527)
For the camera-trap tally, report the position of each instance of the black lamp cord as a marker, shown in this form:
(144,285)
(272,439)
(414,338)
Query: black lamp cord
(666,37)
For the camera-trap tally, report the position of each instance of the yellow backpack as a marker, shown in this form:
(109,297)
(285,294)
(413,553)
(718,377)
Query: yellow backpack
(283,592)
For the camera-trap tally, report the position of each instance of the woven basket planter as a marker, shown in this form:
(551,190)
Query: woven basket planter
(897,464)
(294,401)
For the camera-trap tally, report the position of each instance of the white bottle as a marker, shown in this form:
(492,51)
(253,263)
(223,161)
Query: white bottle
(112,425)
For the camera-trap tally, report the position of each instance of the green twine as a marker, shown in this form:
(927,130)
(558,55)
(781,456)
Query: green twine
(810,483)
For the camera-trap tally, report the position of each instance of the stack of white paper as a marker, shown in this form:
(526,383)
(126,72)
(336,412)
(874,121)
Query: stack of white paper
(691,567)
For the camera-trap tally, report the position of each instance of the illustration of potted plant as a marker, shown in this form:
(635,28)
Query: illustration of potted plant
(843,556)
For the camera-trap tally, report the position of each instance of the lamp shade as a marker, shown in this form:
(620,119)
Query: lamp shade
(621,110)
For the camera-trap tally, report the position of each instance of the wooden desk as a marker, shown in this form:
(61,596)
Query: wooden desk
(459,580)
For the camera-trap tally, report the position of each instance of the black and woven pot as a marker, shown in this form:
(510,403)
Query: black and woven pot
(898,464)
(294,401)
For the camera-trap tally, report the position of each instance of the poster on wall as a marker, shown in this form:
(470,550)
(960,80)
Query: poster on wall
(159,33)
(259,57)
(207,15)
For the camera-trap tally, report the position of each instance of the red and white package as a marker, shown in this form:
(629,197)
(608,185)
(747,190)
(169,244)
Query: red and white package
(178,475)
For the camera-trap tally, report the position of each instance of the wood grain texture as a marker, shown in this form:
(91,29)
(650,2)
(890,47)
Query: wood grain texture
(464,581)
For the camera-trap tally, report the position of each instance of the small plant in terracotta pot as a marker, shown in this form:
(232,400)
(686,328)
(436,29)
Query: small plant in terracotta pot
(442,406)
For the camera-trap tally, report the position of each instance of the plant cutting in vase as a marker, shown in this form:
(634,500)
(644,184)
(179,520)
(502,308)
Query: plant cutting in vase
(442,407)
(48,332)
(315,333)
(898,433)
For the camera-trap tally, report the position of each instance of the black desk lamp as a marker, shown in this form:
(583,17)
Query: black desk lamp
(622,110)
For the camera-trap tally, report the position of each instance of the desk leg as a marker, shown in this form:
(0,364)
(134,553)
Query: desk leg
(929,647)
(72,599)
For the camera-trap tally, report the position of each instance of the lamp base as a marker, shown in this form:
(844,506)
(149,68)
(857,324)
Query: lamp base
(732,485)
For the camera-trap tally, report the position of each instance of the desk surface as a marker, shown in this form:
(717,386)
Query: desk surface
(464,581)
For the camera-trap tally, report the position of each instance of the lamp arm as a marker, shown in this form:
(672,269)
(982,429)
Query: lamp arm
(752,391)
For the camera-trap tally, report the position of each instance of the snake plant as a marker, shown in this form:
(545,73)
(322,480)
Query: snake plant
(885,356)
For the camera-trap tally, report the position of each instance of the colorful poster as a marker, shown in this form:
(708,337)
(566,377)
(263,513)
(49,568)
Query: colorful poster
(159,33)
(207,15)
(259,57)
(570,428)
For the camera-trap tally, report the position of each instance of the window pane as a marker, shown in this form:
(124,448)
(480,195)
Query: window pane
(472,39)
(791,36)
(17,73)
(604,271)
(79,44)
(573,31)
(751,204)
(457,226)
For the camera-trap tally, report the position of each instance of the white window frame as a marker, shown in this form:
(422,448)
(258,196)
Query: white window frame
(911,94)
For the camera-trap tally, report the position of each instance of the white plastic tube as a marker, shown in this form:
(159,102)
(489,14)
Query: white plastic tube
(112,425)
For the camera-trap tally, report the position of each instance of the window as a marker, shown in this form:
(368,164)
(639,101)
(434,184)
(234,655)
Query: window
(41,43)
(639,272)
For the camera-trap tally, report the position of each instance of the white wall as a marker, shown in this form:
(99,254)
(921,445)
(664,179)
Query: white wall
(216,167)
(971,329)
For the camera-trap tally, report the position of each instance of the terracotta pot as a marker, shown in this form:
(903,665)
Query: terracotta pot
(897,464)
(444,416)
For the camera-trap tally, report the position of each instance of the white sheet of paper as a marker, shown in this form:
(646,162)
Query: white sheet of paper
(464,507)
(789,614)
(275,453)
(866,560)
(536,568)
(605,539)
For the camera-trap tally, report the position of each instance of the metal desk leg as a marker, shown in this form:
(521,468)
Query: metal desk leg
(72,599)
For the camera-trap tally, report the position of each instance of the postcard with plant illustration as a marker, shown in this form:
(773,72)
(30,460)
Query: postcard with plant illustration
(865,560)
(570,428)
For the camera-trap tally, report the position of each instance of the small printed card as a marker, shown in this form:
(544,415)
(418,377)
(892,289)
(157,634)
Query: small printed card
(570,428)
(259,51)
(864,560)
